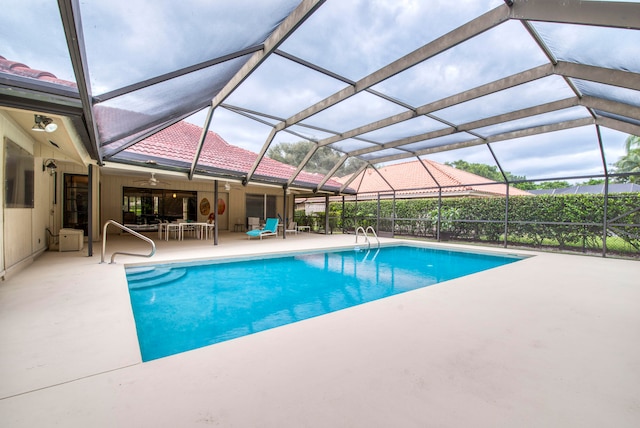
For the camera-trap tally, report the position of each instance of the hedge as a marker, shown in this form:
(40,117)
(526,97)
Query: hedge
(563,219)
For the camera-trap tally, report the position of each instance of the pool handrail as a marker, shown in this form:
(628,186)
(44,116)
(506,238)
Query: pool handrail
(364,233)
(375,235)
(366,237)
(126,229)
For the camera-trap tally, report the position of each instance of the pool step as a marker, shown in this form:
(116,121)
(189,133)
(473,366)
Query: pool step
(135,272)
(153,277)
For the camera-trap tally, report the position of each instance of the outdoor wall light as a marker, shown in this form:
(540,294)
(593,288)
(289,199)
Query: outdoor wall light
(49,164)
(43,124)
(227,186)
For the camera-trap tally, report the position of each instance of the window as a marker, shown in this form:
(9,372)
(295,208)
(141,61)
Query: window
(261,206)
(142,206)
(18,176)
(76,202)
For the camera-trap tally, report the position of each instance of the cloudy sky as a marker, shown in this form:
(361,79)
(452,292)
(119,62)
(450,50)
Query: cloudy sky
(127,41)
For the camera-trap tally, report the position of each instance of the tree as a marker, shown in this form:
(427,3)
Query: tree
(553,185)
(592,182)
(321,162)
(481,169)
(492,173)
(630,162)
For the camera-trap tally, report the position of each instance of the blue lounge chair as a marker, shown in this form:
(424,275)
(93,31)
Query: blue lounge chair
(270,228)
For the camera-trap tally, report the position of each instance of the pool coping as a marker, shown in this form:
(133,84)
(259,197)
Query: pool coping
(398,242)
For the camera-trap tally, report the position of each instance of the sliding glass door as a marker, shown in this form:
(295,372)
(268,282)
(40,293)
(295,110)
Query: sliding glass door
(142,206)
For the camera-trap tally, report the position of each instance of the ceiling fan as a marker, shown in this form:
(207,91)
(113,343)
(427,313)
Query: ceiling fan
(151,181)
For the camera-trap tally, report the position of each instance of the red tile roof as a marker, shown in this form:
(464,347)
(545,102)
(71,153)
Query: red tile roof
(19,69)
(412,179)
(180,141)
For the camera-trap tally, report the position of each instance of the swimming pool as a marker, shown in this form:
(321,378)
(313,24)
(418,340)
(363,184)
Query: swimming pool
(183,306)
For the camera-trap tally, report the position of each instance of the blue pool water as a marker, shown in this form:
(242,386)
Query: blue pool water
(179,307)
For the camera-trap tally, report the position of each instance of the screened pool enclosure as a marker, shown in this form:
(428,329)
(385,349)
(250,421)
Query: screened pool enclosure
(543,90)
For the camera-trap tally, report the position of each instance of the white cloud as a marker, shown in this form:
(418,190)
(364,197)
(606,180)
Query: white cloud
(128,41)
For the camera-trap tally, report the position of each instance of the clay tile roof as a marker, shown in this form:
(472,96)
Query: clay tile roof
(179,142)
(23,70)
(412,178)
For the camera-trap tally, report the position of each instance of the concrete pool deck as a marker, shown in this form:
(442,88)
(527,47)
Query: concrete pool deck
(552,340)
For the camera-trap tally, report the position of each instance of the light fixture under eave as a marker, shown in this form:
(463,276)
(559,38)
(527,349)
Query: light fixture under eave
(43,124)
(227,186)
(49,164)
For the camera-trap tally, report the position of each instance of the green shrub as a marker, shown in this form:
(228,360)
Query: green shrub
(565,221)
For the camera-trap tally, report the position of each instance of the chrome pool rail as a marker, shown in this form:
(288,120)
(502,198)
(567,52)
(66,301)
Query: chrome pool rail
(366,237)
(126,229)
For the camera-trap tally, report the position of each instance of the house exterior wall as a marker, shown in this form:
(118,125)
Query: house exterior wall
(111,198)
(223,219)
(111,195)
(23,234)
(237,206)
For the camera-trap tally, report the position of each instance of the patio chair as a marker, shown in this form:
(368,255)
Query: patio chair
(269,229)
(293,227)
(253,223)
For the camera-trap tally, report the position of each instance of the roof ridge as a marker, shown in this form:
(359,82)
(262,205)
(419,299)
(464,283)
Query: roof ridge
(438,166)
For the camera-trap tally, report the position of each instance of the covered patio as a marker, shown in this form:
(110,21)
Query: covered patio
(547,341)
(539,90)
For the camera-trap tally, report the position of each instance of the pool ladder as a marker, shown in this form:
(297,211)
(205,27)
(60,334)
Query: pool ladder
(366,237)
(126,229)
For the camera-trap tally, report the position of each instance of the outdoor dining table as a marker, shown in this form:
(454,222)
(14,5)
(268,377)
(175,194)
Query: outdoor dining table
(168,227)
(202,229)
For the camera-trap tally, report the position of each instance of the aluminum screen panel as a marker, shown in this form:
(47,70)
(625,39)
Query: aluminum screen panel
(362,36)
(549,89)
(592,45)
(547,157)
(465,66)
(131,112)
(142,42)
(339,118)
(281,88)
(535,121)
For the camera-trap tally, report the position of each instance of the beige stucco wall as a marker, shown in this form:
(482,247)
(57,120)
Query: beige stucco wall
(23,232)
(111,197)
(111,194)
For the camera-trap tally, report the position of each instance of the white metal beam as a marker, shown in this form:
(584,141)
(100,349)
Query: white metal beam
(465,32)
(603,13)
(495,138)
